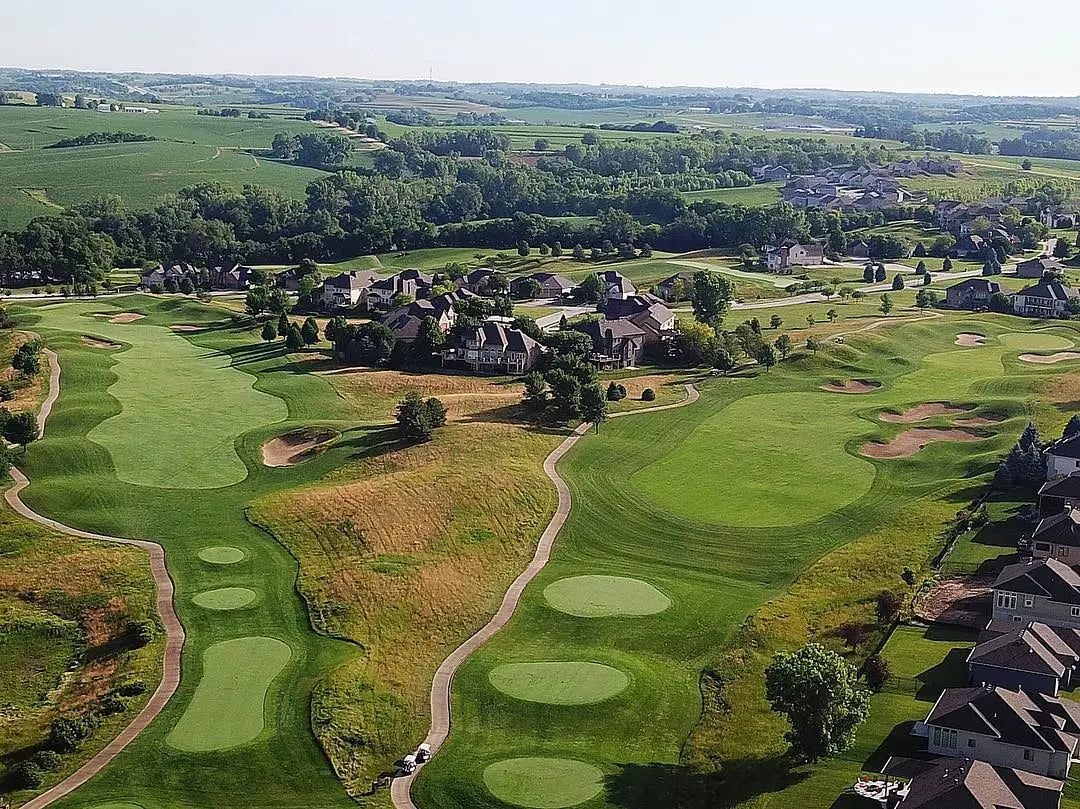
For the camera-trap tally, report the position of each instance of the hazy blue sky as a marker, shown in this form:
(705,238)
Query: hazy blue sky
(988,47)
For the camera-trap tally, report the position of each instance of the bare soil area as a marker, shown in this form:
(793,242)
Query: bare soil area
(94,342)
(959,601)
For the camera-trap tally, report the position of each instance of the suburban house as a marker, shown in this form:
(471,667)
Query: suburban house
(675,288)
(1059,494)
(782,257)
(1037,267)
(1045,299)
(770,174)
(236,277)
(1058,537)
(413,284)
(493,348)
(616,343)
(646,312)
(970,245)
(932,165)
(1006,728)
(1059,217)
(290,279)
(346,290)
(1043,590)
(173,272)
(1062,457)
(971,293)
(965,783)
(614,286)
(949,212)
(1034,657)
(860,250)
(477,280)
(551,285)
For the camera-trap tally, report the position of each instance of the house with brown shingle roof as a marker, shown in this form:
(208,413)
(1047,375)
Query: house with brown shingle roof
(1044,590)
(1026,731)
(616,343)
(1036,267)
(1033,656)
(966,783)
(1045,299)
(493,348)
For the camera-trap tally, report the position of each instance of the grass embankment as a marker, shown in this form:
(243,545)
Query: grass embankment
(388,544)
(755,553)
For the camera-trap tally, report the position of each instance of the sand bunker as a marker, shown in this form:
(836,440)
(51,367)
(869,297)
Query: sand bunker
(911,441)
(123,317)
(922,412)
(187,327)
(969,340)
(93,342)
(852,386)
(1050,359)
(979,421)
(296,447)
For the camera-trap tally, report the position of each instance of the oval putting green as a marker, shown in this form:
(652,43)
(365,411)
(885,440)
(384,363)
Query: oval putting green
(543,783)
(229,703)
(1031,341)
(605,596)
(222,555)
(563,683)
(225,598)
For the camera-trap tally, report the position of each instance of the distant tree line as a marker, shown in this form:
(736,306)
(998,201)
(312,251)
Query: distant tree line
(95,138)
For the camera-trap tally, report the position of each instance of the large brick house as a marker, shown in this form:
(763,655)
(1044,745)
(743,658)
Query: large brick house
(493,348)
(971,293)
(1045,299)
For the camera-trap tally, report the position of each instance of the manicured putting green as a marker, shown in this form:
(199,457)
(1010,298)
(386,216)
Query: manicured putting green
(543,783)
(226,598)
(228,707)
(182,407)
(773,464)
(222,555)
(562,683)
(605,596)
(1031,341)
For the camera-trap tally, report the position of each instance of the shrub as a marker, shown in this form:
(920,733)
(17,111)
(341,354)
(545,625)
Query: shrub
(145,632)
(27,775)
(67,734)
(648,395)
(876,672)
(111,705)
(133,688)
(853,633)
(47,760)
(888,606)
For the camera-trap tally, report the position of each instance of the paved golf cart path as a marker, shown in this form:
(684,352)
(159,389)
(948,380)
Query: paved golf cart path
(440,687)
(174,631)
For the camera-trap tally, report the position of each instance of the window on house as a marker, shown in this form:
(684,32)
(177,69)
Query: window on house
(1006,601)
(1042,546)
(1029,756)
(971,742)
(1018,618)
(1029,603)
(1063,551)
(1076,612)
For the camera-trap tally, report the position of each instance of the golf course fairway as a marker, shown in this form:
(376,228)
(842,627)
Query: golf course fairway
(228,706)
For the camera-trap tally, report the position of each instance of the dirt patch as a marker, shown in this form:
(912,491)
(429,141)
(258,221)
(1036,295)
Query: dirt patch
(296,447)
(1050,359)
(122,317)
(959,601)
(970,340)
(852,386)
(94,342)
(187,327)
(922,412)
(911,441)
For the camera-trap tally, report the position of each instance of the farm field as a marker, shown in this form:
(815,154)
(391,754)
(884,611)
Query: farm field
(814,565)
(41,182)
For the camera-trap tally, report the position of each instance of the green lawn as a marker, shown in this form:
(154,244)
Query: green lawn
(248,673)
(754,513)
(759,195)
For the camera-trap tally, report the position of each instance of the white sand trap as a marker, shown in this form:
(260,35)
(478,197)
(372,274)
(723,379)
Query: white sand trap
(296,447)
(125,317)
(187,327)
(852,386)
(94,342)
(1050,359)
(922,412)
(970,340)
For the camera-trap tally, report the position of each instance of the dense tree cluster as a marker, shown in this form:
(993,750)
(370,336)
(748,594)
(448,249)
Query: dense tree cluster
(1024,465)
(1062,144)
(96,138)
(321,150)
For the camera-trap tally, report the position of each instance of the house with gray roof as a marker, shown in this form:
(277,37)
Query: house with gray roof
(1006,728)
(1062,457)
(1045,299)
(346,290)
(1034,657)
(1059,494)
(552,285)
(616,343)
(957,782)
(614,286)
(1043,590)
(971,293)
(675,288)
(1058,536)
(1037,267)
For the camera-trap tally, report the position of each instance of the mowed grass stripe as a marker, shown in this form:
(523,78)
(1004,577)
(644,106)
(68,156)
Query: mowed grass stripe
(229,703)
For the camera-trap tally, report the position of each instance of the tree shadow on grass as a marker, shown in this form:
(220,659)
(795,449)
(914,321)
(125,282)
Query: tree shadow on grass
(951,672)
(899,742)
(251,352)
(646,786)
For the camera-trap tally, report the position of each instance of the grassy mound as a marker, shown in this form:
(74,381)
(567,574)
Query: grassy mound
(221,555)
(605,596)
(543,783)
(225,598)
(228,707)
(559,683)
